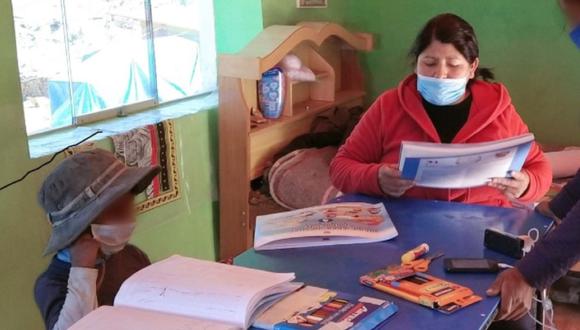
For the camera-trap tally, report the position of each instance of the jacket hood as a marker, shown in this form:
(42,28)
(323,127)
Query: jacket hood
(490,100)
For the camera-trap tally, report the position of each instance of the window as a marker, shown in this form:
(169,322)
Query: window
(86,60)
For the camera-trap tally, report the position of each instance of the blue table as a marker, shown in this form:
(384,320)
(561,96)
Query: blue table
(453,228)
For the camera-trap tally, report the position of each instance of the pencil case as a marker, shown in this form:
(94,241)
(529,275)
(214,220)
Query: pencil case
(423,289)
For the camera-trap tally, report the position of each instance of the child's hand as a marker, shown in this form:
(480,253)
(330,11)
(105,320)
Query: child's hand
(84,251)
(391,183)
(513,187)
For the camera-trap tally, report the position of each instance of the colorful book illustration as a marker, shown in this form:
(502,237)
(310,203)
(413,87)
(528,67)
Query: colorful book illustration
(191,294)
(438,165)
(422,289)
(332,224)
(316,308)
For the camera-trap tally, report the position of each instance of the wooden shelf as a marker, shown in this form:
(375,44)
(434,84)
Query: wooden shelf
(332,53)
(270,46)
(309,108)
(319,76)
(267,140)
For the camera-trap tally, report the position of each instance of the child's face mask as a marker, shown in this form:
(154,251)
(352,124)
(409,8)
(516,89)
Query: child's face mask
(113,238)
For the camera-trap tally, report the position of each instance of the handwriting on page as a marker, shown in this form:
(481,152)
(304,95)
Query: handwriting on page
(197,288)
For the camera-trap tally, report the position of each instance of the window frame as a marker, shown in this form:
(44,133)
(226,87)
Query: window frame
(148,104)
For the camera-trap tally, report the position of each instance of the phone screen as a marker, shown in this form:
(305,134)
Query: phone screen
(470,263)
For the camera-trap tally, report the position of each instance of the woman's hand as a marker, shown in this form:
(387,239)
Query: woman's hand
(84,251)
(390,181)
(513,187)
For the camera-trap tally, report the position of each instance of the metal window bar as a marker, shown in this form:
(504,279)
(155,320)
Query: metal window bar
(121,111)
(68,60)
(150,34)
(115,112)
(76,118)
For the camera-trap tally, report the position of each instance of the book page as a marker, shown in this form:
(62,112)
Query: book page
(125,318)
(197,288)
(297,302)
(464,171)
(458,149)
(452,166)
(331,224)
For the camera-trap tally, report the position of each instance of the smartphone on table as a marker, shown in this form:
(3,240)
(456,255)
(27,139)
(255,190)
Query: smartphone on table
(470,265)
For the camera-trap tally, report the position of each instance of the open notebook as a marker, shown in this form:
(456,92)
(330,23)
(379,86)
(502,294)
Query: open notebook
(191,294)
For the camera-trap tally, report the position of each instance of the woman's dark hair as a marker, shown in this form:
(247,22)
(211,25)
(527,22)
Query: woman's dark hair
(451,29)
(567,11)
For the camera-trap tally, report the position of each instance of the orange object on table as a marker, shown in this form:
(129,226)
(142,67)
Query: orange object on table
(415,253)
(421,265)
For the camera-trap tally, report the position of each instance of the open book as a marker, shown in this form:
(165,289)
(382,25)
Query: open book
(437,165)
(188,293)
(332,224)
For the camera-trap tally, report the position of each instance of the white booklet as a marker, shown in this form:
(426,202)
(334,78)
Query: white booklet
(332,224)
(187,293)
(125,318)
(467,165)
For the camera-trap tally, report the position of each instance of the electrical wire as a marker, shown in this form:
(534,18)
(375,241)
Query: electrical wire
(48,161)
(531,238)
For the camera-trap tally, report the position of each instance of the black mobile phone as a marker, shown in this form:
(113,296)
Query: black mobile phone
(470,265)
(502,242)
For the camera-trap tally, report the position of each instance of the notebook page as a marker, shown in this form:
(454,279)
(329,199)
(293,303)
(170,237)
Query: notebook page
(197,288)
(126,318)
(269,299)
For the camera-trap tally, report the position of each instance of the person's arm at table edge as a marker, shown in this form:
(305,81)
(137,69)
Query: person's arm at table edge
(355,167)
(552,257)
(566,198)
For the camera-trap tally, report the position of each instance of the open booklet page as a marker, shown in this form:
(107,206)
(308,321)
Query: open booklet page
(126,318)
(202,289)
(462,165)
(332,224)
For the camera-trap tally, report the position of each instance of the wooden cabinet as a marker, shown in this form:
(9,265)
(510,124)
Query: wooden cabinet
(245,148)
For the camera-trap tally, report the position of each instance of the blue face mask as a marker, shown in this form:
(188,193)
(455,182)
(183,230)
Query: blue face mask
(64,255)
(575,36)
(441,91)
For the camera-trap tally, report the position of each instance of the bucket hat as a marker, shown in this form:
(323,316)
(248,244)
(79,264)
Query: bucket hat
(81,187)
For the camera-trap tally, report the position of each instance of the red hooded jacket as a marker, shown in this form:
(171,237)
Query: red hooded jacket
(399,115)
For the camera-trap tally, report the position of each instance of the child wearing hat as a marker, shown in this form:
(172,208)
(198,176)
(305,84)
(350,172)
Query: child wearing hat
(89,199)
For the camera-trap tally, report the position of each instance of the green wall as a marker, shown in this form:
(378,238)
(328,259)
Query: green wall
(187,226)
(237,22)
(524,41)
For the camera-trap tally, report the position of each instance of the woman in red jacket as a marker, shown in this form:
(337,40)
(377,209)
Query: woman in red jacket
(447,100)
